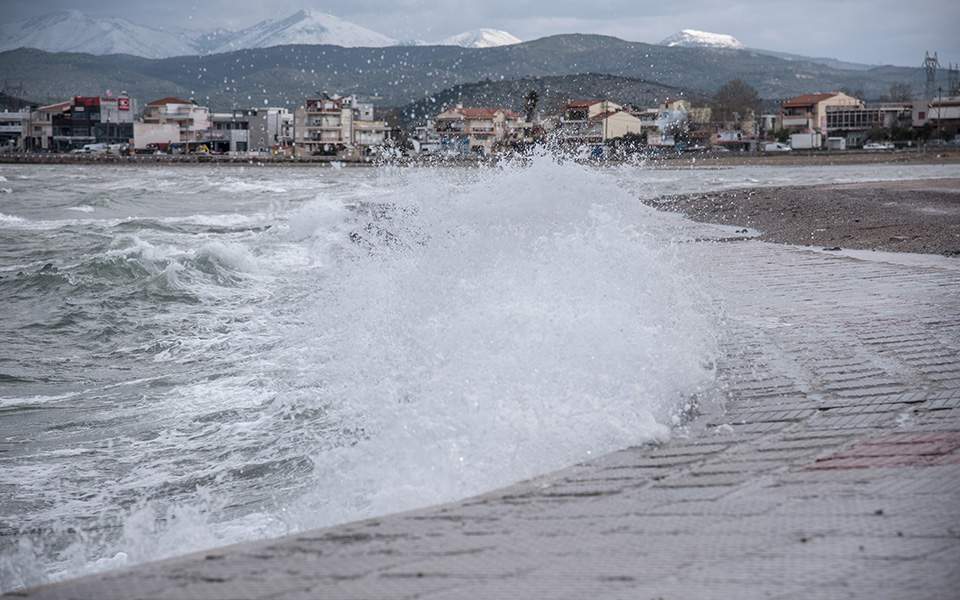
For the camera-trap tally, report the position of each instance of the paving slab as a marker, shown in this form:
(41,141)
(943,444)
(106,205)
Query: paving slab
(828,468)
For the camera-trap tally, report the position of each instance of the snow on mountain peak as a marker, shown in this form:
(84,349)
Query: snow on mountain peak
(692,38)
(73,31)
(306,27)
(481,38)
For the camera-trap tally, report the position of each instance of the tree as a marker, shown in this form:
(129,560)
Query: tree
(530,102)
(857,93)
(734,101)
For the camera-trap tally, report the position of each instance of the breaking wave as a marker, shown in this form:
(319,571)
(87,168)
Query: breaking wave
(450,332)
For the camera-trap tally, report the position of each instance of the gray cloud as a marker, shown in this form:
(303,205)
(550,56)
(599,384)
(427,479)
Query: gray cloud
(872,31)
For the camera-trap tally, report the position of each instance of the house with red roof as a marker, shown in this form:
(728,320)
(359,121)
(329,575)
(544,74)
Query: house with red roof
(808,113)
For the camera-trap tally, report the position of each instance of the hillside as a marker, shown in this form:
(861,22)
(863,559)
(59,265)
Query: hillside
(553,92)
(284,75)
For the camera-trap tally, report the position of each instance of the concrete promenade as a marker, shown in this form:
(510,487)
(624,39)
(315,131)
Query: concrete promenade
(830,469)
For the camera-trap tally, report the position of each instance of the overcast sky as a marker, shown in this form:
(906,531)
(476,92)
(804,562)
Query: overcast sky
(870,31)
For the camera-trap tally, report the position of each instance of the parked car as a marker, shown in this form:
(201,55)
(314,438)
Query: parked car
(777,147)
(95,149)
(878,146)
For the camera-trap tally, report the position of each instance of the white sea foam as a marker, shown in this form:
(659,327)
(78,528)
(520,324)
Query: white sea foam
(8,220)
(536,305)
(251,187)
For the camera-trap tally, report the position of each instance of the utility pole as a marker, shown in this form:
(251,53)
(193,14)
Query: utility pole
(939,108)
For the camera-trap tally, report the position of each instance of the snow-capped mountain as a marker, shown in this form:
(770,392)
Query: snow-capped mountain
(73,31)
(692,38)
(305,27)
(481,38)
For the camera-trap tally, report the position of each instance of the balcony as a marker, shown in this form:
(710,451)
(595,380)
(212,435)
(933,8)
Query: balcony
(797,121)
(228,135)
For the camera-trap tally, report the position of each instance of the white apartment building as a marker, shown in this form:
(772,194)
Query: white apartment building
(192,120)
(12,127)
(338,126)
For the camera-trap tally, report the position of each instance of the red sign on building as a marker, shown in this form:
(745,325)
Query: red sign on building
(87,101)
(123,103)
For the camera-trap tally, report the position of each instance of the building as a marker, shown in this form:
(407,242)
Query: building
(479,131)
(38,136)
(81,121)
(338,126)
(13,124)
(854,123)
(598,121)
(155,136)
(943,115)
(425,139)
(259,130)
(192,120)
(808,113)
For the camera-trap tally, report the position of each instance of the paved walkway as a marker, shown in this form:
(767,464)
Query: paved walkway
(831,471)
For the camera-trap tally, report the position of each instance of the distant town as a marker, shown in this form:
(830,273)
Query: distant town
(332,127)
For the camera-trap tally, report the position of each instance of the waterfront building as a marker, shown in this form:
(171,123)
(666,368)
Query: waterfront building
(38,136)
(598,121)
(854,123)
(943,114)
(13,124)
(193,121)
(808,113)
(478,130)
(155,136)
(259,130)
(75,123)
(425,139)
(338,126)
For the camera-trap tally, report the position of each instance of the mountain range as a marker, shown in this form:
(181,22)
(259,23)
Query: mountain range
(398,75)
(74,31)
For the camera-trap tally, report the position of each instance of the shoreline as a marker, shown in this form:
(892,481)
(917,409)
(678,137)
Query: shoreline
(694,160)
(915,216)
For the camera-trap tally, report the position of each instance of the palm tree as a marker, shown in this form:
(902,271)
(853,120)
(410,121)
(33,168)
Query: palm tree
(530,102)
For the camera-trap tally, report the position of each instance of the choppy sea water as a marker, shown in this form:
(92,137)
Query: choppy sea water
(195,356)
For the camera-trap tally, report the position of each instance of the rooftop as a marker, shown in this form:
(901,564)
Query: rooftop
(170,100)
(808,99)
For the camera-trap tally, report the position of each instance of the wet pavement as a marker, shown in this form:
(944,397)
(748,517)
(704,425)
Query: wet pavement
(828,468)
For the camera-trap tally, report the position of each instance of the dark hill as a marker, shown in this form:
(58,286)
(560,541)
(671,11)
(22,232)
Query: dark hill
(284,75)
(553,92)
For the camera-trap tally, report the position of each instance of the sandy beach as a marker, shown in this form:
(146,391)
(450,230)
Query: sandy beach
(904,216)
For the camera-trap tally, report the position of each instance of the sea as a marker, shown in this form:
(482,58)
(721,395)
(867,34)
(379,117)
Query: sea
(193,356)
